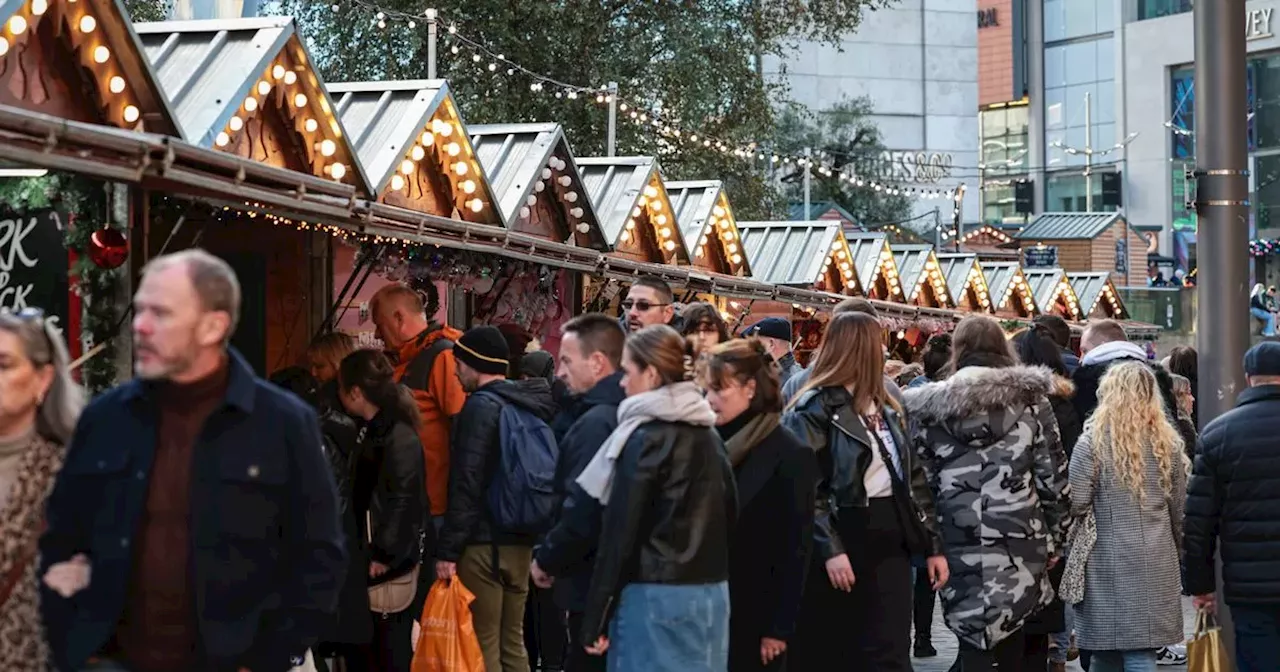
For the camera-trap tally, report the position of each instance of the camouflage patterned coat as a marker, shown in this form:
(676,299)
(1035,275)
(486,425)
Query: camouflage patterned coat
(989,443)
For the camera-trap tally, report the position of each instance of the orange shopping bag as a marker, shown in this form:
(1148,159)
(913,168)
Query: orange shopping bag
(447,642)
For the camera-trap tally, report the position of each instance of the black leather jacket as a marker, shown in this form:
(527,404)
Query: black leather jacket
(391,479)
(668,519)
(824,420)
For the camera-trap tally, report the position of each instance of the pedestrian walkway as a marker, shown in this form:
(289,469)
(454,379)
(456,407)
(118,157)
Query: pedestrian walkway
(945,643)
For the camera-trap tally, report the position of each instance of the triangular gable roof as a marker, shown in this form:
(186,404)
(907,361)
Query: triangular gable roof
(917,265)
(797,254)
(522,160)
(1095,290)
(825,210)
(1003,278)
(872,256)
(1047,284)
(702,208)
(963,271)
(414,121)
(1068,226)
(630,187)
(217,73)
(128,91)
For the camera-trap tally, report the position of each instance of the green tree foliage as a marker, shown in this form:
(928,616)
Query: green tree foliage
(697,61)
(148,10)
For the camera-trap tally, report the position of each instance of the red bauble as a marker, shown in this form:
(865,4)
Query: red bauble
(108,248)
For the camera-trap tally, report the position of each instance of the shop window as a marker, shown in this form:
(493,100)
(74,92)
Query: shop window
(1261,74)
(1065,192)
(1154,9)
(1004,140)
(1072,71)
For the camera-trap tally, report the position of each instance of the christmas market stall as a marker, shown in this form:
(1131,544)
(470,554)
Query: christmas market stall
(965,282)
(413,145)
(67,235)
(989,243)
(709,228)
(1053,292)
(246,89)
(1090,242)
(1010,294)
(874,264)
(1097,296)
(921,276)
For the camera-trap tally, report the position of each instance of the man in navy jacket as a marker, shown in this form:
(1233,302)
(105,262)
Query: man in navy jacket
(194,524)
(590,362)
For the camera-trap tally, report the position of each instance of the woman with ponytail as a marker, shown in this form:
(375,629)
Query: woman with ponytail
(390,497)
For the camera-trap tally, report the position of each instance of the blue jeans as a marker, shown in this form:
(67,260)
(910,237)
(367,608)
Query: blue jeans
(1062,640)
(1268,320)
(667,628)
(1257,638)
(1140,660)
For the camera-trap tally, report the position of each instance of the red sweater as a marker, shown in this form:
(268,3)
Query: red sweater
(158,631)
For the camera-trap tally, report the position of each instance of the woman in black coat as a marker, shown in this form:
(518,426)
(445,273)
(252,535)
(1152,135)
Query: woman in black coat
(389,497)
(777,477)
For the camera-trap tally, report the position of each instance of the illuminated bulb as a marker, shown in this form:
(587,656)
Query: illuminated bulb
(669,246)
(660,220)
(250,104)
(656,205)
(698,254)
(397,182)
(428,138)
(524,212)
(736,259)
(39,7)
(115,85)
(577,212)
(571,196)
(453,149)
(446,130)
(4,46)
(468,186)
(17,25)
(300,100)
(718,211)
(625,237)
(651,191)
(130,113)
(406,167)
(328,147)
(338,171)
(583,227)
(222,139)
(277,71)
(631,224)
(539,186)
(87,23)
(100,53)
(665,232)
(311,125)
(290,77)
(264,88)
(636,212)
(417,153)
(531,200)
(724,224)
(235,124)
(460,168)
(476,205)
(732,247)
(564,180)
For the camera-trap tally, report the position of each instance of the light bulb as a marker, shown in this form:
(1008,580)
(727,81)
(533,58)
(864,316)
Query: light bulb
(660,220)
(39,7)
(636,212)
(571,196)
(564,180)
(651,191)
(131,113)
(222,139)
(446,130)
(300,100)
(116,84)
(665,232)
(531,200)
(4,46)
(453,149)
(698,254)
(311,125)
(732,247)
(539,186)
(235,123)
(427,139)
(656,205)
(338,171)
(290,77)
(250,104)
(328,147)
(577,212)
(100,53)
(277,71)
(631,224)
(468,186)
(477,205)
(625,237)
(670,245)
(417,153)
(17,24)
(736,259)
(717,211)
(406,167)
(524,212)
(87,23)
(583,227)
(397,182)
(264,88)
(546,173)
(724,224)
(460,168)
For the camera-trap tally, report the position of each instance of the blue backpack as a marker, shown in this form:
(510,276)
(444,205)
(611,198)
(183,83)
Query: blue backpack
(523,496)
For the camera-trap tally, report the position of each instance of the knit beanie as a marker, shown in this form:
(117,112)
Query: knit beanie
(483,349)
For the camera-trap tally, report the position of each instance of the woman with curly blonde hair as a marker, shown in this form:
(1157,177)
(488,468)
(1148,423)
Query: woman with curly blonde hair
(1128,469)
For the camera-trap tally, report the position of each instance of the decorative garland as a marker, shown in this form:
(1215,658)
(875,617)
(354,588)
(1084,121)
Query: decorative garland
(1262,247)
(85,202)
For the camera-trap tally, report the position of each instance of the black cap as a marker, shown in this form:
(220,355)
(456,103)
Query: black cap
(1263,359)
(772,327)
(483,349)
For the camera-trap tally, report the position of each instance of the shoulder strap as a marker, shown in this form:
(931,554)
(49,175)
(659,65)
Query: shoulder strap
(418,375)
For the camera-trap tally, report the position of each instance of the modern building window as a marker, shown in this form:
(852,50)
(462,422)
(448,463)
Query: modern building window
(1069,19)
(1065,192)
(1072,71)
(1267,195)
(998,205)
(1154,9)
(1004,140)
(1262,79)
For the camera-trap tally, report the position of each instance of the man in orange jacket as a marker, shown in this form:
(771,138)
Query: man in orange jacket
(425,365)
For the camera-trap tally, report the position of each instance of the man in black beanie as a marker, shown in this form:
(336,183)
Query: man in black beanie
(487,545)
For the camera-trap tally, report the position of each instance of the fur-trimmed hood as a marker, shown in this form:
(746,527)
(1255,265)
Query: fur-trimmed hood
(977,391)
(1063,387)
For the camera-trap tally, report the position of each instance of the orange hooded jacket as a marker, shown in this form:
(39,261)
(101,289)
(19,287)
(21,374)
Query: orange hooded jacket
(437,404)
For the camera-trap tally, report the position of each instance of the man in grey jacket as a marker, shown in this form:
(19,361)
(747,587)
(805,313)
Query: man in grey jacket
(775,334)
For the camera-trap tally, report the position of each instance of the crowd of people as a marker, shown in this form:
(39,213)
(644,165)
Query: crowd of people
(663,495)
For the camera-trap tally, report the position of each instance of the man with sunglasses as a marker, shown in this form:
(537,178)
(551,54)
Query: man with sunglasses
(649,302)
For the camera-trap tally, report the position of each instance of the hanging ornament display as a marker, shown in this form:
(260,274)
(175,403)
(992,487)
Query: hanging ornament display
(108,248)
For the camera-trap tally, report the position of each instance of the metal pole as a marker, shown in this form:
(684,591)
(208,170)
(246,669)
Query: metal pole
(433,32)
(1088,152)
(957,215)
(611,140)
(1222,209)
(808,168)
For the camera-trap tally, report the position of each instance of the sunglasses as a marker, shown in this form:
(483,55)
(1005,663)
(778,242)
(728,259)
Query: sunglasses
(641,305)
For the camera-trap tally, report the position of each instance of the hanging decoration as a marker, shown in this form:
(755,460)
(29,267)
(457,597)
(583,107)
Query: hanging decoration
(108,249)
(1264,247)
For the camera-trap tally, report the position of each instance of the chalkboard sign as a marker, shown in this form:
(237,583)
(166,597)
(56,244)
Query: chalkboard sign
(1040,257)
(1122,256)
(33,264)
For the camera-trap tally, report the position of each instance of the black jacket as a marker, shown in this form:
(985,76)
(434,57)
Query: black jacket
(771,545)
(1232,497)
(824,420)
(668,519)
(569,549)
(1053,618)
(1088,376)
(391,491)
(473,460)
(261,494)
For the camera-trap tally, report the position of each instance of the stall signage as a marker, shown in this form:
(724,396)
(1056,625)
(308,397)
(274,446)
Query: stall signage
(988,18)
(1122,256)
(1257,24)
(1040,256)
(33,264)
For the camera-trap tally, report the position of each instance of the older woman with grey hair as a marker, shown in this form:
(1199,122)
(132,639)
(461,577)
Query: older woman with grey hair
(39,406)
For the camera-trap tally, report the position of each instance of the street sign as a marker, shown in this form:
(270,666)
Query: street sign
(33,264)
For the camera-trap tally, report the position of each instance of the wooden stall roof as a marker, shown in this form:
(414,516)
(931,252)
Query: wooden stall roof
(519,157)
(696,204)
(616,185)
(119,80)
(1001,277)
(1046,284)
(789,253)
(913,266)
(216,74)
(1068,226)
(1091,290)
(960,270)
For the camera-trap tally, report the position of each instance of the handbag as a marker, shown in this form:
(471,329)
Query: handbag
(1205,650)
(914,523)
(393,595)
(1080,541)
